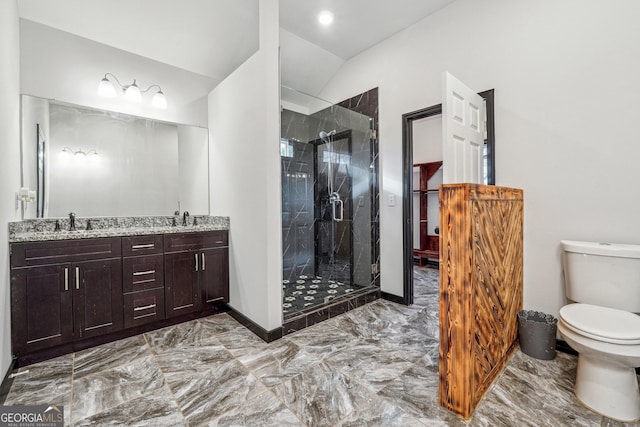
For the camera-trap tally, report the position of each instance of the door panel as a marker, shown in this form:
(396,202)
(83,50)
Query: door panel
(462,132)
(98,297)
(214,275)
(41,303)
(297,211)
(181,283)
(335,221)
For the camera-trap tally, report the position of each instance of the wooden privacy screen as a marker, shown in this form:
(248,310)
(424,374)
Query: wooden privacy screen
(480,288)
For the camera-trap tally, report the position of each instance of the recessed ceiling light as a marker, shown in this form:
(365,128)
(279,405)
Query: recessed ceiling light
(325,18)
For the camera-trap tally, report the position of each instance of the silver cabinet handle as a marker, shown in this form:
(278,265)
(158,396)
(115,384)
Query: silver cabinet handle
(142,273)
(66,278)
(77,277)
(145,246)
(203,265)
(146,307)
(196,257)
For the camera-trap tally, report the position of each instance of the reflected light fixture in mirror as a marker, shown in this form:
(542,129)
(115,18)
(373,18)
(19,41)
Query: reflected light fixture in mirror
(132,92)
(80,153)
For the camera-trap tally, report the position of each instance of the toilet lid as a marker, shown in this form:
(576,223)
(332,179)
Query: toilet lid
(603,323)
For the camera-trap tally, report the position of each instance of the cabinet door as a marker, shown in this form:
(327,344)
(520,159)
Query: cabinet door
(214,275)
(41,307)
(98,299)
(181,283)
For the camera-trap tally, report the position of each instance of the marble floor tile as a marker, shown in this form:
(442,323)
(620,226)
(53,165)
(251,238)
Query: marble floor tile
(188,334)
(416,393)
(426,321)
(266,410)
(151,410)
(44,383)
(103,390)
(220,323)
(109,355)
(278,362)
(241,342)
(525,380)
(369,364)
(191,361)
(322,341)
(321,396)
(378,412)
(373,321)
(214,392)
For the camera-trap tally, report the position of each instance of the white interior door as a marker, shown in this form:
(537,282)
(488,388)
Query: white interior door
(462,132)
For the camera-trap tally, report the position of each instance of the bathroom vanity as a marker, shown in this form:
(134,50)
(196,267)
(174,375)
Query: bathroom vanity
(72,290)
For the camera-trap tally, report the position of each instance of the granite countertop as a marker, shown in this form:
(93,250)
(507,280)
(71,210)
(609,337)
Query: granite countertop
(43,229)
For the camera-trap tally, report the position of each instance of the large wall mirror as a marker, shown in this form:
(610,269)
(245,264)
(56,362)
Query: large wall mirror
(100,163)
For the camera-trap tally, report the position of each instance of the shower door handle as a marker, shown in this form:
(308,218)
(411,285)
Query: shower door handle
(337,218)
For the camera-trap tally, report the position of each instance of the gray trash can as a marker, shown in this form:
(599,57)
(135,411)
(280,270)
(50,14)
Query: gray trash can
(537,332)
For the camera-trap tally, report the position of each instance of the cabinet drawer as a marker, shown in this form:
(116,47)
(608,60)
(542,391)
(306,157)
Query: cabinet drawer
(142,245)
(143,307)
(195,241)
(61,251)
(144,272)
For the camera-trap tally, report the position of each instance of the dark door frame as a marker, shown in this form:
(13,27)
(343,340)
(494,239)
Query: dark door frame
(407,180)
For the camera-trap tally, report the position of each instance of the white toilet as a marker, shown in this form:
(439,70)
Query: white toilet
(602,325)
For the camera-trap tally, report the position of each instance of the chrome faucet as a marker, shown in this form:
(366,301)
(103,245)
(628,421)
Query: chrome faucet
(185,218)
(72,221)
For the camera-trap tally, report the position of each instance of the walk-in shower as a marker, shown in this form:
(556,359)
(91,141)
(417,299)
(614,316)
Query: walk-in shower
(327,203)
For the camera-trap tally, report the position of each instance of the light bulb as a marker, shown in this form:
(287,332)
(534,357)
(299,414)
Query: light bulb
(159,100)
(106,89)
(325,18)
(133,93)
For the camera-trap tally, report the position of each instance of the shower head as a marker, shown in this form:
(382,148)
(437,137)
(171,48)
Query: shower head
(325,136)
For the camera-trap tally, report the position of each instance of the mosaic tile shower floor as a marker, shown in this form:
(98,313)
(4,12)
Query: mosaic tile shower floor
(308,292)
(376,365)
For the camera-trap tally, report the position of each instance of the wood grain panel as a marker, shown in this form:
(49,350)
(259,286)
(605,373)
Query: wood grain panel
(480,288)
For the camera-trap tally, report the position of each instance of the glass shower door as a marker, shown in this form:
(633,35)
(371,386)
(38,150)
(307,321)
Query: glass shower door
(327,154)
(334,250)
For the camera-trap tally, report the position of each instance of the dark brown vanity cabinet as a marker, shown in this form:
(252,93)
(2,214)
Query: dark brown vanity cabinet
(196,271)
(143,279)
(71,294)
(63,291)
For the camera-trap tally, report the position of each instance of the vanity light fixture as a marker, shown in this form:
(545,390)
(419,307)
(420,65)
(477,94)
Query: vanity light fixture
(132,92)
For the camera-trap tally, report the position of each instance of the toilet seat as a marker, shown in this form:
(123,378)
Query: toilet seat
(602,323)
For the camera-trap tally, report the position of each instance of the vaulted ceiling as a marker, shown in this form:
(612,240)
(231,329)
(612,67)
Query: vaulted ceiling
(213,37)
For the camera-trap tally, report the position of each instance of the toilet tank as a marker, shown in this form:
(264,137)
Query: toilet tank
(604,274)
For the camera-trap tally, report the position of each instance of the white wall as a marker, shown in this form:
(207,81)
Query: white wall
(244,126)
(66,67)
(10,158)
(566,92)
(427,139)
